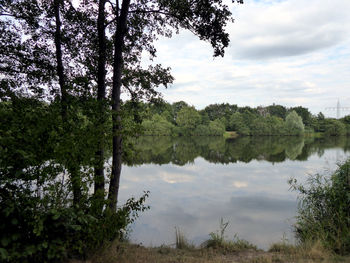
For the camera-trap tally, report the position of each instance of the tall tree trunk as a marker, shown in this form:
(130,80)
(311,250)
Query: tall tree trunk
(71,166)
(116,118)
(101,94)
(60,69)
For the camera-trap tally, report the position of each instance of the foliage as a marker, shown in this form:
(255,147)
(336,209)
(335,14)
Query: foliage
(334,127)
(294,124)
(216,128)
(277,111)
(35,230)
(188,119)
(220,111)
(158,125)
(304,113)
(324,209)
(238,124)
(39,222)
(246,121)
(55,91)
(218,241)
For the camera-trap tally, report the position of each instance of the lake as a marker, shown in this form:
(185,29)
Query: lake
(194,182)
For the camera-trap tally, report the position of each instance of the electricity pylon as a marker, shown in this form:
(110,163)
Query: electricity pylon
(338,108)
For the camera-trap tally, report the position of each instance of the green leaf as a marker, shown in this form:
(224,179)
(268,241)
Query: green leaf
(14,221)
(45,244)
(30,250)
(56,216)
(5,241)
(3,254)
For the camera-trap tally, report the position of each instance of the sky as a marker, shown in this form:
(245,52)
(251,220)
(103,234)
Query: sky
(287,52)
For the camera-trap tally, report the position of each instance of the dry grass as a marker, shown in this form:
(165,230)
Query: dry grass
(128,253)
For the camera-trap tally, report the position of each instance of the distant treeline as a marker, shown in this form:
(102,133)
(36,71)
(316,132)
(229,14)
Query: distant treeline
(181,119)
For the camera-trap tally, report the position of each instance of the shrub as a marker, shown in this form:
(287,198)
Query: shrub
(324,210)
(35,231)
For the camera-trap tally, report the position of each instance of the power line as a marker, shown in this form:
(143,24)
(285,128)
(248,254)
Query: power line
(338,108)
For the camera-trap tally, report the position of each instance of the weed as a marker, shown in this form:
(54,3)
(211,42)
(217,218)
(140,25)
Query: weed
(181,241)
(217,241)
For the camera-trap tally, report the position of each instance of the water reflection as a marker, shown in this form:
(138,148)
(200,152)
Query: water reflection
(194,182)
(184,150)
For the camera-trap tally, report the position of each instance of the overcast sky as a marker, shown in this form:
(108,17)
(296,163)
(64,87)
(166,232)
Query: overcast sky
(289,52)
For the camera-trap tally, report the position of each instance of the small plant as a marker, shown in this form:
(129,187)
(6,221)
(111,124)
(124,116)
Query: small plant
(284,246)
(217,240)
(181,241)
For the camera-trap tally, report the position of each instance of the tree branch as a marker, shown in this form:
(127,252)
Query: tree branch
(110,22)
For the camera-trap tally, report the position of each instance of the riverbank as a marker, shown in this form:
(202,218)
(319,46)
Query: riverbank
(130,253)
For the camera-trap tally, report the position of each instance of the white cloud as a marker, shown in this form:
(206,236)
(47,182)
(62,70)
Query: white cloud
(288,28)
(288,52)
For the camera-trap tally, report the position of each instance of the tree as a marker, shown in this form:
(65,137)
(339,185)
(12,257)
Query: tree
(278,111)
(80,58)
(188,119)
(294,124)
(206,19)
(238,124)
(304,113)
(218,111)
(334,127)
(158,126)
(216,128)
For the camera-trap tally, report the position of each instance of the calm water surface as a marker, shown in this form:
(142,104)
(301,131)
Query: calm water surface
(194,182)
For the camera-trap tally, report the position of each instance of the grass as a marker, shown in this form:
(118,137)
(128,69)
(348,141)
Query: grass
(181,242)
(217,241)
(118,252)
(216,249)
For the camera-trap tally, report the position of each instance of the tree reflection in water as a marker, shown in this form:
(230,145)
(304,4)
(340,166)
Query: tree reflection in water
(183,150)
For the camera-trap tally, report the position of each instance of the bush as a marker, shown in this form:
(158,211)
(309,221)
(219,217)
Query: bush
(324,210)
(33,230)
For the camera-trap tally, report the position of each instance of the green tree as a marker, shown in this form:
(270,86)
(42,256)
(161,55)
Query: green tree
(294,124)
(188,119)
(304,113)
(259,126)
(219,111)
(278,111)
(216,128)
(158,125)
(334,127)
(238,124)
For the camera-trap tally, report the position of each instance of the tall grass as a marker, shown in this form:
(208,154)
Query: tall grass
(324,210)
(181,241)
